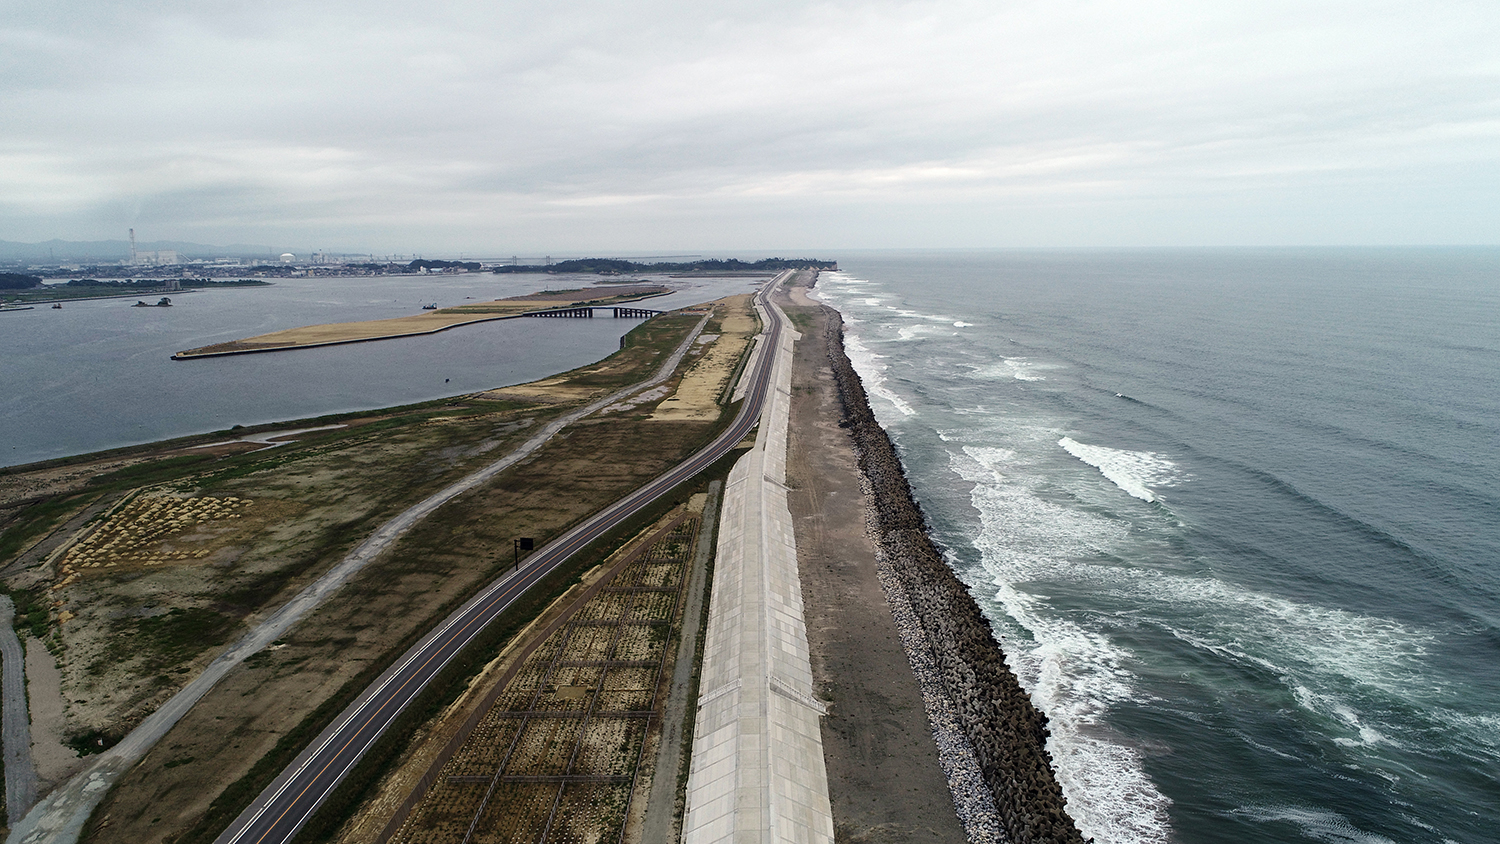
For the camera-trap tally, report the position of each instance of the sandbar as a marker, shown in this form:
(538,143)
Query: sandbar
(430,322)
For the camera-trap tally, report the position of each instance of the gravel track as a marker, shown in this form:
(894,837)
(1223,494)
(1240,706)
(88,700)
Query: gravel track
(20,771)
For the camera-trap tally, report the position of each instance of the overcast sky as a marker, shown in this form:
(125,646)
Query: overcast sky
(659,126)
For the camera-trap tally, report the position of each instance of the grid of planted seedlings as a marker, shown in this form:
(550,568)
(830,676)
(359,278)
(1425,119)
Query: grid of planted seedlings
(555,758)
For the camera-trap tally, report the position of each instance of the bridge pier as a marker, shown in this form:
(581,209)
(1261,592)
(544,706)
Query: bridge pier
(575,313)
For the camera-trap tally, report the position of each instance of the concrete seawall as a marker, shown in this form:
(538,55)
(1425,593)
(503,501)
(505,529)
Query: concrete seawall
(1007,732)
(757,769)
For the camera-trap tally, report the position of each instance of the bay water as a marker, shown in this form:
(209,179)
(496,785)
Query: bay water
(1234,515)
(98,374)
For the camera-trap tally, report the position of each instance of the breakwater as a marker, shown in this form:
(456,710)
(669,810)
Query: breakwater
(1007,732)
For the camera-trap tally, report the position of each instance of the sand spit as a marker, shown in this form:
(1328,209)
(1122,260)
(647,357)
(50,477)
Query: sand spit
(431,322)
(1007,732)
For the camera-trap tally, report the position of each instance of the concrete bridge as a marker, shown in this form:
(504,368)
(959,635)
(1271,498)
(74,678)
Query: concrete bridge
(588,313)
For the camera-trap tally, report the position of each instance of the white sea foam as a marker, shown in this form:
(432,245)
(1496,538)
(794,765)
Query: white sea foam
(940,319)
(1331,660)
(1483,728)
(872,373)
(1072,674)
(1019,369)
(840,278)
(1341,711)
(1318,824)
(866,362)
(1022,369)
(1304,643)
(1366,690)
(1342,668)
(961,324)
(912,332)
(1136,472)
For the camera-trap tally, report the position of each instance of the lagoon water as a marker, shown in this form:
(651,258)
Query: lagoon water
(98,374)
(1235,516)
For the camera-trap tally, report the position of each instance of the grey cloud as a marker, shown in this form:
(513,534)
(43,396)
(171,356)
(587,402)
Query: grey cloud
(365,123)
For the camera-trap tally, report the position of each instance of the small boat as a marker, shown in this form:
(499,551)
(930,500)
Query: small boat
(57,306)
(431,307)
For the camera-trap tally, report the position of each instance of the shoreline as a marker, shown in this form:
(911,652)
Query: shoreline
(1005,731)
(889,782)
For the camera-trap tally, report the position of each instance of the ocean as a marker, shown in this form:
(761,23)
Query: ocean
(1234,515)
(98,374)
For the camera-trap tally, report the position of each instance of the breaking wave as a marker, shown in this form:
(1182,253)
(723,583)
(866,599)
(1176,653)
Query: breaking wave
(1136,472)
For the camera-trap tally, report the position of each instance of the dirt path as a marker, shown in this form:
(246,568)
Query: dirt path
(884,779)
(61,816)
(54,760)
(20,772)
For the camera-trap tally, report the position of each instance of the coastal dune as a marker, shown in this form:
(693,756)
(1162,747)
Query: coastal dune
(1007,732)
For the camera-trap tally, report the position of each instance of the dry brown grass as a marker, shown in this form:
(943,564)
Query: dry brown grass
(158,529)
(698,393)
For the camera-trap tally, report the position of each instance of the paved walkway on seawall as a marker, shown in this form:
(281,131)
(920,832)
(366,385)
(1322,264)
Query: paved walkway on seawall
(757,769)
(59,818)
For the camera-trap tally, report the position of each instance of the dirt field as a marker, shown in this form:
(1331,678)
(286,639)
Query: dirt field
(434,737)
(884,781)
(702,388)
(55,761)
(572,715)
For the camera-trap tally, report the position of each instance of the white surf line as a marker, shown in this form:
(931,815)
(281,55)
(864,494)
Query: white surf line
(59,818)
(757,770)
(20,770)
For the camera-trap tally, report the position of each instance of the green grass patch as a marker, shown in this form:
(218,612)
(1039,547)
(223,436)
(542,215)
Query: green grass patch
(32,614)
(180,633)
(90,742)
(38,520)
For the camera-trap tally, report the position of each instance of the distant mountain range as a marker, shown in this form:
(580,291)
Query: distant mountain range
(119,250)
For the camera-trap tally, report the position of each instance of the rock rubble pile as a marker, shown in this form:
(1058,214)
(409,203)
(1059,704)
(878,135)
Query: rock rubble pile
(1008,734)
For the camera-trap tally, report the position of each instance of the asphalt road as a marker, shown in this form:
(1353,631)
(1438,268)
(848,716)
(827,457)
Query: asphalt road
(289,801)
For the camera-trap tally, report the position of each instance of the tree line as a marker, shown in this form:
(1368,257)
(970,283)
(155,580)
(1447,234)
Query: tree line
(17,281)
